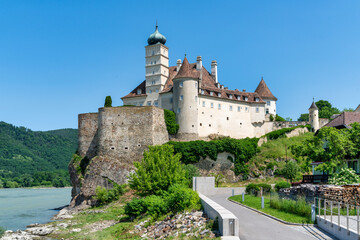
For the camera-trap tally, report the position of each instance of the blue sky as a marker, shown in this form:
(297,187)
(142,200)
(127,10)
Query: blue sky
(61,58)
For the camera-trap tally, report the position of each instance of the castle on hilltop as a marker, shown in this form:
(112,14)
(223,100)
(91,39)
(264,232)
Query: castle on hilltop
(202,105)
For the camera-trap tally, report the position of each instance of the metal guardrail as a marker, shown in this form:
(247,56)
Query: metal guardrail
(336,214)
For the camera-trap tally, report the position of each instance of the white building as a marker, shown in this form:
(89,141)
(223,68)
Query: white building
(202,105)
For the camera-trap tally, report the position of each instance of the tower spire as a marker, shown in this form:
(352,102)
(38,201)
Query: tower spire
(156,25)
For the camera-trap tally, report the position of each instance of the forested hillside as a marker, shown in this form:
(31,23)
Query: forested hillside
(30,158)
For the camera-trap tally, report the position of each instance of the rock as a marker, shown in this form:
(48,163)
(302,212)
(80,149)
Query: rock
(63,225)
(75,230)
(40,231)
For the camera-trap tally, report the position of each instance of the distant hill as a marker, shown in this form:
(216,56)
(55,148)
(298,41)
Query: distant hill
(24,152)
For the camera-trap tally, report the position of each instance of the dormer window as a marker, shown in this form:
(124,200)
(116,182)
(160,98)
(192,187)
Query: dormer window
(218,85)
(211,93)
(238,98)
(202,91)
(245,98)
(139,91)
(219,94)
(230,96)
(256,99)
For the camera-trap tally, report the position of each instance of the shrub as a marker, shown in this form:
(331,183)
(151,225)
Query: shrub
(108,101)
(252,188)
(219,178)
(344,176)
(2,231)
(281,185)
(271,118)
(266,187)
(157,171)
(104,196)
(181,198)
(191,171)
(170,121)
(291,170)
(281,132)
(135,207)
(271,165)
(279,119)
(155,205)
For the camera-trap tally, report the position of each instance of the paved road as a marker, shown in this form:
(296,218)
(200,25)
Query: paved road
(255,226)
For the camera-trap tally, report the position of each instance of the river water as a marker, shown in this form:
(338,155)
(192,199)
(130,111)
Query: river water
(20,207)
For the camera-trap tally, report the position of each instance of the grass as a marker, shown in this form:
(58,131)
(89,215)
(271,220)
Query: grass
(268,180)
(255,202)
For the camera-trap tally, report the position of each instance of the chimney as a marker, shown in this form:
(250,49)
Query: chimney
(214,70)
(236,89)
(198,63)
(244,90)
(178,65)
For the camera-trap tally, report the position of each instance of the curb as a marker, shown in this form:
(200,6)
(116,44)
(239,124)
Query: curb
(269,216)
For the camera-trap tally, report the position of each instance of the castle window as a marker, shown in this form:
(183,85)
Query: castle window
(268,103)
(178,110)
(240,123)
(148,103)
(238,109)
(238,97)
(155,62)
(209,125)
(153,52)
(157,90)
(153,72)
(202,91)
(153,82)
(203,104)
(196,85)
(246,109)
(267,111)
(192,125)
(181,84)
(230,108)
(227,118)
(181,97)
(140,104)
(200,124)
(150,91)
(211,93)
(195,98)
(139,91)
(219,94)
(151,62)
(126,148)
(219,106)
(156,103)
(212,105)
(257,110)
(230,96)
(256,99)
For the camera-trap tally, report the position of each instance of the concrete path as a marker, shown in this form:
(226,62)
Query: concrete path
(255,226)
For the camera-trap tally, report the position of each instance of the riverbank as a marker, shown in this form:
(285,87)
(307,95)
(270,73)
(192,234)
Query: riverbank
(110,222)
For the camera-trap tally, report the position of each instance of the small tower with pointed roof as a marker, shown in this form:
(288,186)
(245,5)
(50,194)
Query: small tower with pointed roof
(314,116)
(185,100)
(270,100)
(156,65)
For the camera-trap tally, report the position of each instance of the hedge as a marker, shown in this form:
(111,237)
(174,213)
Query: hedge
(282,132)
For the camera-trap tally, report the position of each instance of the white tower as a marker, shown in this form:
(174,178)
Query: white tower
(185,103)
(314,116)
(156,64)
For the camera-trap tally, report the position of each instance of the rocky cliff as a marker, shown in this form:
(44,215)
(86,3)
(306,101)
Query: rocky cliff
(109,142)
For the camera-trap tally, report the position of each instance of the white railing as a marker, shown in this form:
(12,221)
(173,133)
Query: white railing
(338,213)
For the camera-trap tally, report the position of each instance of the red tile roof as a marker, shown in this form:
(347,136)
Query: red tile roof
(344,120)
(208,84)
(264,92)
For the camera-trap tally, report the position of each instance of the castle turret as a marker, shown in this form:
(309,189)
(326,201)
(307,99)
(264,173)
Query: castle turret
(266,95)
(185,103)
(156,65)
(314,116)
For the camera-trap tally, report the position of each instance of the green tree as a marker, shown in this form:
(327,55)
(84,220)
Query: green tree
(304,117)
(1,184)
(157,171)
(291,170)
(191,171)
(279,119)
(170,121)
(108,101)
(219,178)
(344,176)
(321,104)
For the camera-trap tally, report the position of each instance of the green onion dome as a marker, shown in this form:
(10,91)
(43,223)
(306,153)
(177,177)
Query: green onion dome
(156,37)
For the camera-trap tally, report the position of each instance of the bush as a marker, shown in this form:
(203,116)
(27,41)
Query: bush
(344,176)
(279,119)
(135,207)
(104,196)
(281,185)
(291,170)
(271,118)
(108,101)
(191,171)
(170,121)
(155,205)
(2,231)
(181,198)
(281,132)
(252,188)
(157,171)
(266,187)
